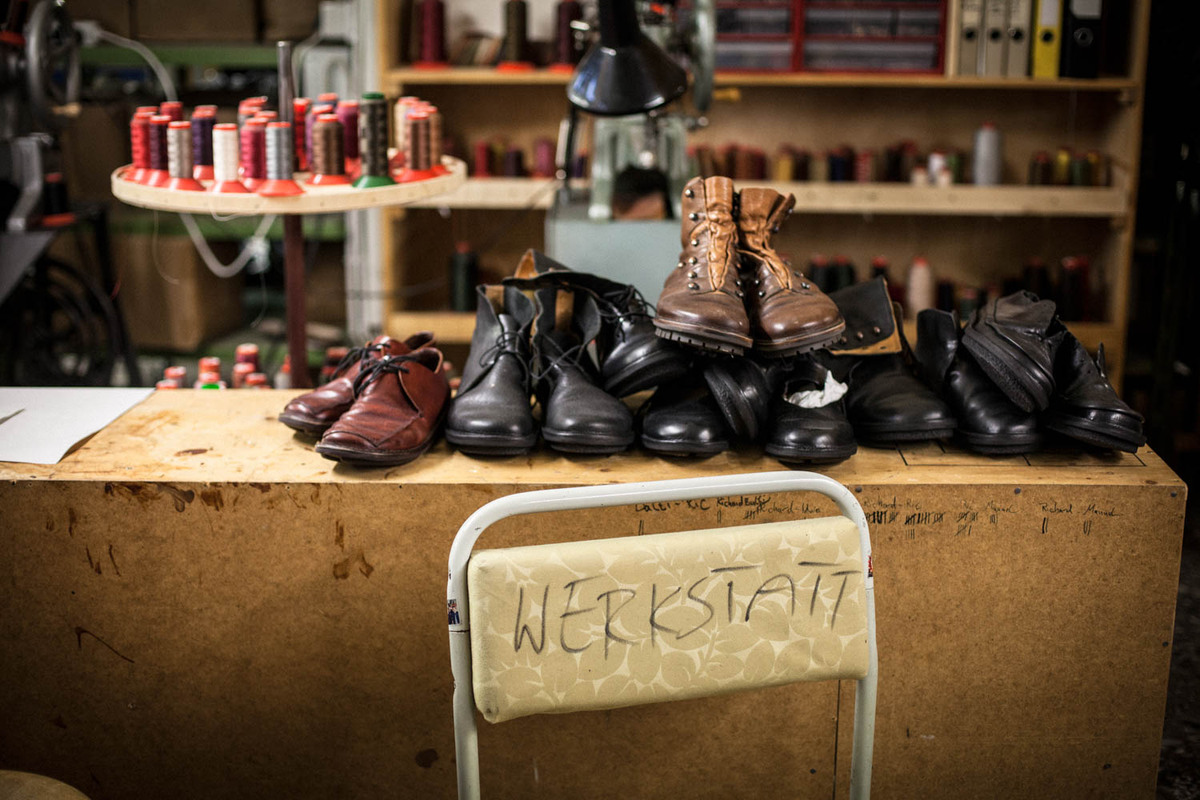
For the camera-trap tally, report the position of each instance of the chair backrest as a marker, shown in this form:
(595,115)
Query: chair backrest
(778,603)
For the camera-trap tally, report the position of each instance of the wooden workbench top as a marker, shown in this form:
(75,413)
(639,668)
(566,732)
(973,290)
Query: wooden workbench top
(234,436)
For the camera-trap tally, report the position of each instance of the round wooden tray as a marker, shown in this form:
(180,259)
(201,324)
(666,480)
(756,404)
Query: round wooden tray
(315,200)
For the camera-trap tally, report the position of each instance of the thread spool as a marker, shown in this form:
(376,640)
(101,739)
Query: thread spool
(279,181)
(56,207)
(481,164)
(1040,170)
(203,121)
(257,380)
(865,166)
(139,137)
(783,166)
(1036,278)
(801,165)
(179,157)
(172,109)
(417,156)
(566,49)
(945,296)
(253,153)
(248,108)
(988,162)
(818,168)
(347,114)
(920,288)
(513,56)
(300,123)
(432,16)
(400,125)
(841,273)
(464,274)
(1072,299)
(207,108)
(373,141)
(1060,171)
(818,271)
(266,116)
(954,163)
(225,146)
(328,99)
(240,372)
(908,160)
(543,159)
(514,163)
(314,111)
(1081,170)
(328,161)
(157,174)
(937,165)
(146,109)
(435,139)
(175,374)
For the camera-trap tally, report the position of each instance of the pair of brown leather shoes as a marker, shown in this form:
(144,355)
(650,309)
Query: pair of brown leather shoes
(730,290)
(383,407)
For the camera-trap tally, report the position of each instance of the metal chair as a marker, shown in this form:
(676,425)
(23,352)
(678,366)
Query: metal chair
(793,558)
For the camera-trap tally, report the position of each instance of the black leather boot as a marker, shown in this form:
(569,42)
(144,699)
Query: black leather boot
(492,414)
(1015,339)
(682,419)
(886,402)
(808,435)
(1086,407)
(988,422)
(577,415)
(630,356)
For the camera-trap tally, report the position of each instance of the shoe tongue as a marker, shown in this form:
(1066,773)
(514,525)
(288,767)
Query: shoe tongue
(509,323)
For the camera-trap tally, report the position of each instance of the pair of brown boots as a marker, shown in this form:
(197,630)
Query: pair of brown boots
(730,290)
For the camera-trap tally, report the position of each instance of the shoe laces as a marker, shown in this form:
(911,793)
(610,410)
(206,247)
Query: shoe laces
(628,298)
(507,342)
(374,370)
(354,355)
(570,354)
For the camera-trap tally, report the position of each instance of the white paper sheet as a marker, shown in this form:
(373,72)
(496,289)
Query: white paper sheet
(39,426)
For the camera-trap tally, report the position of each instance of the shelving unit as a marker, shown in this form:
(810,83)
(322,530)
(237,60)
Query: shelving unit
(972,235)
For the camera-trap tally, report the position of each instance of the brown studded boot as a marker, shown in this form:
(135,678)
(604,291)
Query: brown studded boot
(788,313)
(702,302)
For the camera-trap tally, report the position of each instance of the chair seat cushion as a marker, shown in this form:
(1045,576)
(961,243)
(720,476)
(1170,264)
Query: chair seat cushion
(617,622)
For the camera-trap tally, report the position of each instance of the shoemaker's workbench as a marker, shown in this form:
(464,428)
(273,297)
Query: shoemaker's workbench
(196,605)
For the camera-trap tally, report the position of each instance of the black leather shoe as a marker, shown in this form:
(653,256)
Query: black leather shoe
(682,419)
(630,356)
(491,414)
(577,415)
(886,402)
(988,422)
(808,435)
(1014,339)
(1086,407)
(741,388)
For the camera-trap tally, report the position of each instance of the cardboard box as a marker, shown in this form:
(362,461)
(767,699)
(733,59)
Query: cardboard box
(212,21)
(171,299)
(196,605)
(288,19)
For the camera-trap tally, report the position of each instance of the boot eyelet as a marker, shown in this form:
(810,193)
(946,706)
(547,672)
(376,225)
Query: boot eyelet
(805,286)
(860,336)
(692,274)
(737,282)
(762,294)
(688,193)
(695,242)
(875,330)
(693,216)
(693,286)
(741,294)
(693,261)
(757,281)
(679,265)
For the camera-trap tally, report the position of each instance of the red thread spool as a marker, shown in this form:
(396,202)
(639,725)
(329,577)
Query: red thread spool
(328,99)
(149,109)
(139,136)
(300,123)
(157,175)
(433,35)
(267,116)
(172,109)
(253,153)
(481,165)
(347,114)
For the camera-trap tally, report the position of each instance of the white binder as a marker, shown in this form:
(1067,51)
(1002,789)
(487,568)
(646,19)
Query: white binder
(995,38)
(970,32)
(1020,15)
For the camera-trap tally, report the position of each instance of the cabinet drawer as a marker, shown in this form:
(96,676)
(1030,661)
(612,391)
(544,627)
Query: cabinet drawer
(754,55)
(754,20)
(871,56)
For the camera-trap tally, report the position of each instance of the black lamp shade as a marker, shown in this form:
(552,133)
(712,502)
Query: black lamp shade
(624,73)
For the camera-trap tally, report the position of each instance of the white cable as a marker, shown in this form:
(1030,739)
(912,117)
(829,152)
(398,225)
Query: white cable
(164,77)
(206,253)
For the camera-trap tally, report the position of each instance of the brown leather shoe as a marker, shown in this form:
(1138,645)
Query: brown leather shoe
(313,412)
(702,300)
(399,405)
(788,313)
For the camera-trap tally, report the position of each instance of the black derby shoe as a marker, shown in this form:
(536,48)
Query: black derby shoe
(1015,339)
(681,419)
(1086,407)
(886,403)
(491,414)
(988,422)
(808,435)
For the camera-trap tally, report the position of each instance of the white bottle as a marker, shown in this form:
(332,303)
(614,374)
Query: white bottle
(988,163)
(919,289)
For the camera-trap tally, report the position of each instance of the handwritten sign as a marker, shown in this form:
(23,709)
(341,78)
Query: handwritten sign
(616,622)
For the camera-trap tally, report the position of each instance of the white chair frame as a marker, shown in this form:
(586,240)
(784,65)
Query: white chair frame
(466,739)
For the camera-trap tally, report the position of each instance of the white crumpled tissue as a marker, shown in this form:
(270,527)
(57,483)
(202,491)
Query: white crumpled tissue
(831,392)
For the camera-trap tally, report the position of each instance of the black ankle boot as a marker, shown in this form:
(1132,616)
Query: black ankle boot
(577,415)
(796,434)
(629,354)
(491,414)
(988,422)
(682,419)
(1086,407)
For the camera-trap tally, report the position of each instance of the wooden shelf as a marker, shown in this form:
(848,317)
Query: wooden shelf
(487,76)
(451,327)
(840,198)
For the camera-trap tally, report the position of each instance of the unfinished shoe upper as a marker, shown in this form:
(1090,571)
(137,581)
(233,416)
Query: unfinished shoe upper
(702,302)
(788,314)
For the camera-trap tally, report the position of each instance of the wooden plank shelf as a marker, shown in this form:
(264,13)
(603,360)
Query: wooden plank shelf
(840,198)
